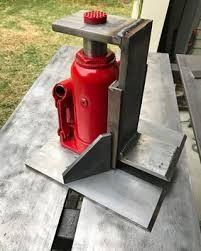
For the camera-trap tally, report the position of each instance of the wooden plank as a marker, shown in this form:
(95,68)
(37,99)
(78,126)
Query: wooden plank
(30,204)
(192,87)
(176,227)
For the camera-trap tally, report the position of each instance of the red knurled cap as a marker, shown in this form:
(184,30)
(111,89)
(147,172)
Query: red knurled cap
(95,17)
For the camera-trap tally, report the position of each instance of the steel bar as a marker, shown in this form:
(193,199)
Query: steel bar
(192,86)
(134,51)
(114,108)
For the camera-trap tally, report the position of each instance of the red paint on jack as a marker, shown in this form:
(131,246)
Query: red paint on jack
(95,17)
(82,100)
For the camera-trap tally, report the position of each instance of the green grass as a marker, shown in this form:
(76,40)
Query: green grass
(27,41)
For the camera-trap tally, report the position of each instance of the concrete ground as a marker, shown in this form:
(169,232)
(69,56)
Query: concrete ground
(193,158)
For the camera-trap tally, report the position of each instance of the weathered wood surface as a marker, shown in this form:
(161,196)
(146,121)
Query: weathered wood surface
(30,204)
(176,227)
(187,65)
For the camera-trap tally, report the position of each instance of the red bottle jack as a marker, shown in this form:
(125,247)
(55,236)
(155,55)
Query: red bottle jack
(82,100)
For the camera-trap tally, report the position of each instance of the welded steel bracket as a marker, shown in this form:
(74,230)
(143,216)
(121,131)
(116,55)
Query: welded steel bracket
(156,152)
(94,160)
(65,166)
(106,171)
(152,149)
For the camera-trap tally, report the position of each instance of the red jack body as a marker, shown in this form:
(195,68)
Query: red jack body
(82,100)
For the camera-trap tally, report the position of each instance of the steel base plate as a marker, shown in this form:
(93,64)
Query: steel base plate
(131,197)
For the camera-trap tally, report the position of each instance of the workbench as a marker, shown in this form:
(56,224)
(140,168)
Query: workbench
(31,204)
(190,70)
(176,227)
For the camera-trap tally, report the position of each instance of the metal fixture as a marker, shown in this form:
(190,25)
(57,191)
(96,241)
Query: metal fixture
(125,162)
